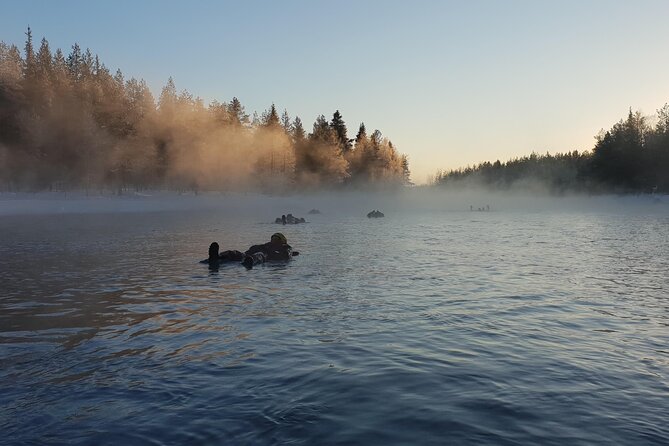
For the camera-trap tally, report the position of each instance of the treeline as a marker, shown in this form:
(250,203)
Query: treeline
(67,122)
(631,157)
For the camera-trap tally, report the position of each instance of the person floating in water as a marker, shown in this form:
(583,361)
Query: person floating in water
(216,257)
(276,249)
(289,219)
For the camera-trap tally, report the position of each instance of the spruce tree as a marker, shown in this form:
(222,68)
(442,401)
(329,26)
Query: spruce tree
(74,61)
(321,130)
(406,173)
(285,122)
(362,134)
(118,78)
(376,139)
(168,95)
(11,64)
(255,120)
(87,64)
(339,127)
(238,113)
(298,132)
(44,60)
(59,72)
(270,118)
(30,56)
(42,88)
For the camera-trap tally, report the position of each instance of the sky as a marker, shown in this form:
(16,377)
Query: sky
(450,83)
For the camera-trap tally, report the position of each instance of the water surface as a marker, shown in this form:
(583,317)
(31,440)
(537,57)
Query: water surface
(443,327)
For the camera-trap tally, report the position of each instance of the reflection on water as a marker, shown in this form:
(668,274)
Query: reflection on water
(494,328)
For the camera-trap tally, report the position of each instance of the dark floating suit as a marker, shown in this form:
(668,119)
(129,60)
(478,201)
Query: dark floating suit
(276,249)
(289,219)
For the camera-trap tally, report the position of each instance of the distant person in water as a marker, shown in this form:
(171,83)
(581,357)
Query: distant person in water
(289,219)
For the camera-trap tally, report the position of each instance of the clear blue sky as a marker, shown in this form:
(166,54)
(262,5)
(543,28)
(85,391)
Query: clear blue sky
(451,83)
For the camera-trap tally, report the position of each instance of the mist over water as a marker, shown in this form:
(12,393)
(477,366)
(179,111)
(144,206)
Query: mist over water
(351,203)
(541,321)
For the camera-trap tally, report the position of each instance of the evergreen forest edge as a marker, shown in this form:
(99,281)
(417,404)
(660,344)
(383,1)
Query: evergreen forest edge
(69,123)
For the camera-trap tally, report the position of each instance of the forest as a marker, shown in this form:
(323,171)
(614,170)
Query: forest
(631,157)
(68,123)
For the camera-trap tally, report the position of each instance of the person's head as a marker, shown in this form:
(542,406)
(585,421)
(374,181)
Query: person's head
(278,238)
(213,250)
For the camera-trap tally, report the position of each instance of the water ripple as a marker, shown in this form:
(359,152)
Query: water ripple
(508,328)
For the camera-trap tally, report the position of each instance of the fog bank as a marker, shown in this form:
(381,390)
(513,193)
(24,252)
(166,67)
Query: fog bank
(258,207)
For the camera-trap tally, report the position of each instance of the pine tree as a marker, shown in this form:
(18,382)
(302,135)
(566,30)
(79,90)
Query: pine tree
(285,122)
(44,60)
(406,173)
(339,127)
(11,64)
(322,130)
(118,79)
(74,61)
(361,137)
(43,89)
(238,113)
(87,64)
(298,132)
(662,125)
(140,102)
(29,70)
(59,72)
(11,106)
(376,139)
(658,153)
(255,120)
(168,95)
(219,113)
(270,118)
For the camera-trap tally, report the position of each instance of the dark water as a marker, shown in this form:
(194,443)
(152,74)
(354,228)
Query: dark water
(425,328)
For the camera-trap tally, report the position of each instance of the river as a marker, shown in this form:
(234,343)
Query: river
(434,325)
